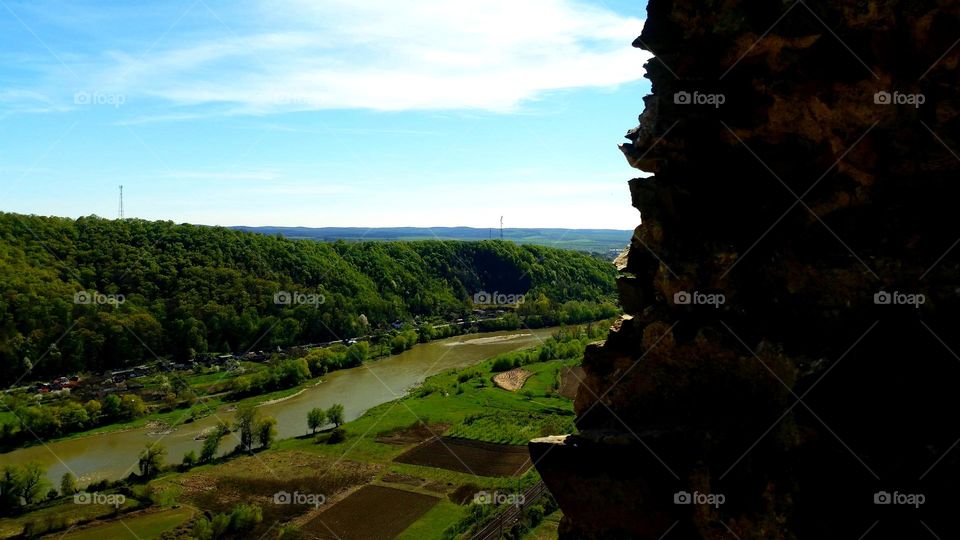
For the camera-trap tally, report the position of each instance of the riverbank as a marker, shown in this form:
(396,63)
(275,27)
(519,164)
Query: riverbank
(113,455)
(213,388)
(460,402)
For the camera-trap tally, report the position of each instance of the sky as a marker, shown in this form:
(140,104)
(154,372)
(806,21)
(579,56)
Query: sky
(364,113)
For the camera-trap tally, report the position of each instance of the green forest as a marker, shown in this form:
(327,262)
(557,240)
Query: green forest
(92,294)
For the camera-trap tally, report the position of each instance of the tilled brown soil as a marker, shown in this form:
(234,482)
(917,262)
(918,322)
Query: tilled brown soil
(372,512)
(470,457)
(415,434)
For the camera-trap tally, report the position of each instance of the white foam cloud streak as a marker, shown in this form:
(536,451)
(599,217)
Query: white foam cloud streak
(385,55)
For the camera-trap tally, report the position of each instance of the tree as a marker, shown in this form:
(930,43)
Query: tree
(93,408)
(68,484)
(357,353)
(152,460)
(220,525)
(316,418)
(245,517)
(212,443)
(335,414)
(35,483)
(189,459)
(202,529)
(26,483)
(133,406)
(111,406)
(266,431)
(244,423)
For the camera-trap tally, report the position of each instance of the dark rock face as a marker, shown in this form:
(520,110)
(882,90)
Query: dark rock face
(792,297)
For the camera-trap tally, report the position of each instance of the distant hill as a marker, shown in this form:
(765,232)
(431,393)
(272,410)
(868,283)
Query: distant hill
(592,240)
(94,294)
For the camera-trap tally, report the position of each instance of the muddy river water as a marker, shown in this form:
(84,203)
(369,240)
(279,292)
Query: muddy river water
(114,455)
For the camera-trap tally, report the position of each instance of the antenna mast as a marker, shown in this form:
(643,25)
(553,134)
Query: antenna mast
(121,202)
(501,227)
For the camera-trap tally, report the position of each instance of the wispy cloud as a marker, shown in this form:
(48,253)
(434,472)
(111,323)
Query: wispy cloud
(388,55)
(258,176)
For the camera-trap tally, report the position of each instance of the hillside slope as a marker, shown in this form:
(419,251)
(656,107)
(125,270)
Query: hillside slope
(187,289)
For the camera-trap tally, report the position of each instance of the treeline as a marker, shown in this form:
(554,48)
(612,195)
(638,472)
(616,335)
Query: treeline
(67,416)
(93,294)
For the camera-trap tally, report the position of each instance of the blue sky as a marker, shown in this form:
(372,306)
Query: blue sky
(321,112)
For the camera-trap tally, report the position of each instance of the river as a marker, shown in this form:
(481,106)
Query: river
(114,455)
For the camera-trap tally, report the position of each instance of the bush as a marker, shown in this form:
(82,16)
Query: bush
(503,363)
(338,435)
(289,532)
(245,517)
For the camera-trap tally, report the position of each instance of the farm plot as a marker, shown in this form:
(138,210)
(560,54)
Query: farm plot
(470,457)
(372,512)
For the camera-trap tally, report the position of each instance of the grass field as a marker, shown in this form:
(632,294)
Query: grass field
(59,517)
(438,518)
(466,406)
(140,527)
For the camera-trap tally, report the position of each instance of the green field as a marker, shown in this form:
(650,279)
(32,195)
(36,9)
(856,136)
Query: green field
(60,516)
(141,527)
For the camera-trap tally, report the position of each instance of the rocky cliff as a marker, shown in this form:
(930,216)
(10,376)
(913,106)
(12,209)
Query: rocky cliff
(786,366)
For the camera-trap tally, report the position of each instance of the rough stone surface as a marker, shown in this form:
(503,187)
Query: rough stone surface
(803,199)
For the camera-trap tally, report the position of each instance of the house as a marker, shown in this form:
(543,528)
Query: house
(120,375)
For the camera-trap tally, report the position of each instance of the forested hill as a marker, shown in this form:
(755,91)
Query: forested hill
(190,289)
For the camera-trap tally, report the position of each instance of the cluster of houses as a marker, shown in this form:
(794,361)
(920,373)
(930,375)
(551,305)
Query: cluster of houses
(57,384)
(125,379)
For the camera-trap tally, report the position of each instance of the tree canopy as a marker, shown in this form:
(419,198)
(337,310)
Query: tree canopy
(93,294)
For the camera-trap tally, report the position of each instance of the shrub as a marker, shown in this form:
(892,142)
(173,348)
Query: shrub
(503,363)
(338,435)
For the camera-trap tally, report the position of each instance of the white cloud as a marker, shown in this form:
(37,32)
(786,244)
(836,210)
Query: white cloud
(290,55)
